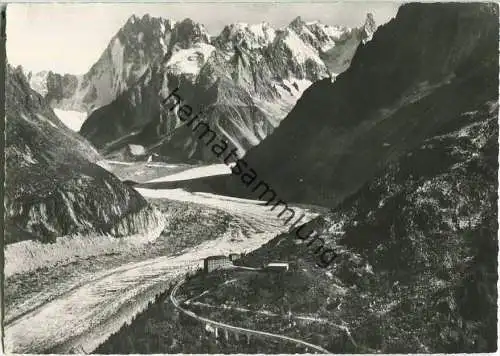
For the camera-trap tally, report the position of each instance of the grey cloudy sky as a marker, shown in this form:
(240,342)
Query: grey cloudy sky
(69,38)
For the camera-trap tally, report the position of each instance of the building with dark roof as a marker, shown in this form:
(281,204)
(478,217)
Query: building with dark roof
(213,263)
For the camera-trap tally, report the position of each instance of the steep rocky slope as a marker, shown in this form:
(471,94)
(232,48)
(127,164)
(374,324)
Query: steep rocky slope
(246,80)
(416,269)
(415,76)
(53,188)
(336,48)
(416,246)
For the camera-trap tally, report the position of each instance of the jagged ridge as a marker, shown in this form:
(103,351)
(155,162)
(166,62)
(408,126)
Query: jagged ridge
(247,78)
(394,95)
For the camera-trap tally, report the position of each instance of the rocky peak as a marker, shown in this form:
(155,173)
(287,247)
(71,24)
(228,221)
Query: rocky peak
(370,22)
(132,19)
(21,74)
(248,66)
(449,51)
(298,57)
(369,28)
(246,36)
(187,32)
(320,36)
(297,23)
(147,29)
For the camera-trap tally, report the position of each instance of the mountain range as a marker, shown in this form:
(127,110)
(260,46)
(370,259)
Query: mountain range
(246,79)
(404,86)
(395,133)
(403,147)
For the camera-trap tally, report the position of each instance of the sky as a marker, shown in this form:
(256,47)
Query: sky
(69,38)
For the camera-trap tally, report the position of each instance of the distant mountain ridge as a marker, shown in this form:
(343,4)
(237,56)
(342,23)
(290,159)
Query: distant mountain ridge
(248,78)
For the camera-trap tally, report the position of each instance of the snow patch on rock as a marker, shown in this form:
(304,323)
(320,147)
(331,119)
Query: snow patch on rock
(190,61)
(301,51)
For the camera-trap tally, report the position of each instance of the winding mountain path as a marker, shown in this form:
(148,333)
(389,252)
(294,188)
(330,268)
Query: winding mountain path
(239,329)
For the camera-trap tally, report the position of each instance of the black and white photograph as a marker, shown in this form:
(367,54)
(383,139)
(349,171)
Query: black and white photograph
(233,177)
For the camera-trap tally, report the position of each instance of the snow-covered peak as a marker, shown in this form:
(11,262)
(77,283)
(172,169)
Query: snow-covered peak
(140,43)
(322,31)
(320,36)
(246,36)
(249,58)
(297,23)
(297,49)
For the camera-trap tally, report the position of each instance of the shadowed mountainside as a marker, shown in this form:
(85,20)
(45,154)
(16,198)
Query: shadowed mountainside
(53,187)
(411,81)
